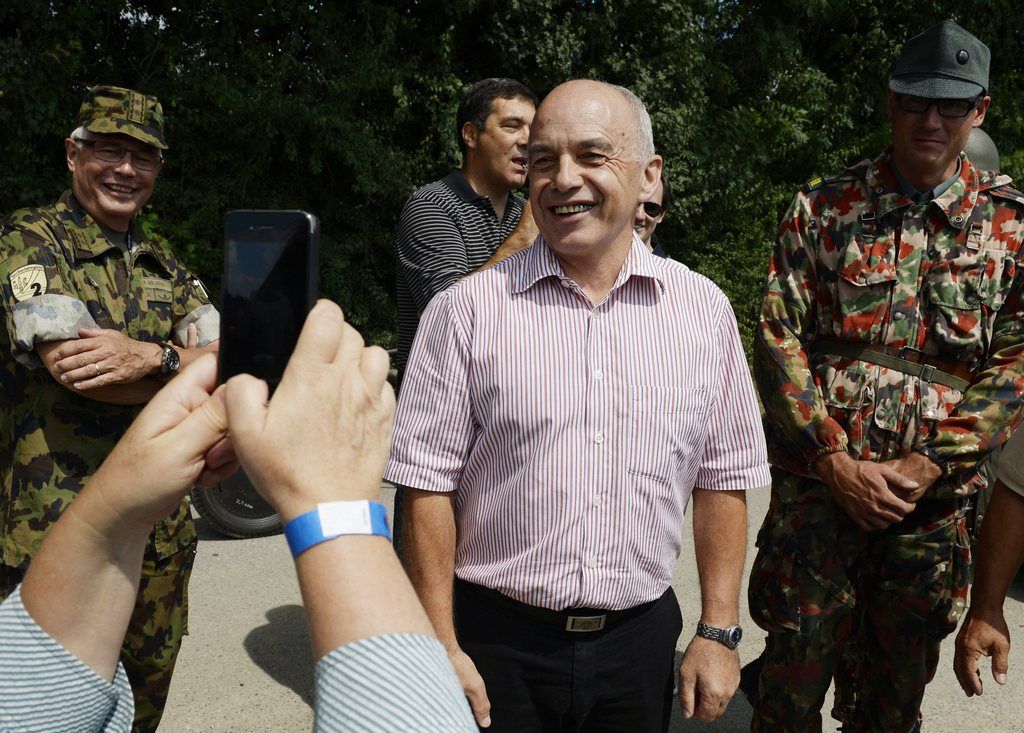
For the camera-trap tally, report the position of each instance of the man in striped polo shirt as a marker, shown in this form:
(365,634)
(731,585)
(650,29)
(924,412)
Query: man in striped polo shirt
(471,217)
(559,411)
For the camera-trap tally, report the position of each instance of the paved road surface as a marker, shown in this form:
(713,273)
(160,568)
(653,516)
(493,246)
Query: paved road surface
(246,665)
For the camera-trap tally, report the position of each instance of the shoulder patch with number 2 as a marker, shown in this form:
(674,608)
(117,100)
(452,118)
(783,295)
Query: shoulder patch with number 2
(28,282)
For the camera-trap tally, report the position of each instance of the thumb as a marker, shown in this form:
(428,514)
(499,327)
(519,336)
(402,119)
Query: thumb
(896,478)
(1000,663)
(245,398)
(687,694)
(204,427)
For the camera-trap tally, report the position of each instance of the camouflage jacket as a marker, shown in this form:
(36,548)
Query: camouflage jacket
(856,260)
(59,273)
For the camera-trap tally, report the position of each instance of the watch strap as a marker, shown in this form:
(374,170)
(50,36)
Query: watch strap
(335,519)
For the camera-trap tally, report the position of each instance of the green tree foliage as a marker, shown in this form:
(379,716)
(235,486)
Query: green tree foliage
(344,108)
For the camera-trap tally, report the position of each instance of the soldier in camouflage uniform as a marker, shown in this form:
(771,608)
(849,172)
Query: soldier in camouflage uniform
(890,362)
(96,318)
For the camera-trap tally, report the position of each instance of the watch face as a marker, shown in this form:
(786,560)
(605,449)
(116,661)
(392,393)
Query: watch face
(732,636)
(171,360)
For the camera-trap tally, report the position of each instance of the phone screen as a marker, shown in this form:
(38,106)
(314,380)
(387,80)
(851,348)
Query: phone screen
(269,286)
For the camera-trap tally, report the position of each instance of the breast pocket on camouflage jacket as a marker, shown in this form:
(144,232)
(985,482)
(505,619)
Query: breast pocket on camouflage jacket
(867,276)
(965,289)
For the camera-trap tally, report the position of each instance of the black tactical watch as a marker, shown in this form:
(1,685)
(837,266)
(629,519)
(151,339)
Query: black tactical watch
(170,362)
(729,636)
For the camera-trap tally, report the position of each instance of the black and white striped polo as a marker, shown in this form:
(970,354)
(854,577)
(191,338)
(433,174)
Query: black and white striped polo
(447,230)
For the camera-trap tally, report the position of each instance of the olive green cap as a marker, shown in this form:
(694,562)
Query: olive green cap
(944,62)
(981,151)
(115,110)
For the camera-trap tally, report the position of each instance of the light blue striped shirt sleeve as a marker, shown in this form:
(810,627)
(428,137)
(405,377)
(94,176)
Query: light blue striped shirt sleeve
(43,687)
(398,682)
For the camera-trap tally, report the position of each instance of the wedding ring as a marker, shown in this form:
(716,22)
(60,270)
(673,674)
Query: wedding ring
(96,369)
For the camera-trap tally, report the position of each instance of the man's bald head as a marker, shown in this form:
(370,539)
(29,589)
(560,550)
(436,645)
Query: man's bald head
(591,160)
(642,143)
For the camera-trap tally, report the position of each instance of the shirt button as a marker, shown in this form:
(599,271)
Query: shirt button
(879,189)
(598,437)
(566,282)
(598,374)
(598,501)
(592,562)
(899,315)
(595,315)
(958,219)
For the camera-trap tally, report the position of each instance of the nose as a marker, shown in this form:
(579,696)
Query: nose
(567,175)
(127,165)
(523,137)
(931,117)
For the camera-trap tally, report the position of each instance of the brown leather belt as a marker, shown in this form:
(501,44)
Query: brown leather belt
(953,374)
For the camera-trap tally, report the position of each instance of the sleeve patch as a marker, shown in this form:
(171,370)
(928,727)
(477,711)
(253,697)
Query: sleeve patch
(28,281)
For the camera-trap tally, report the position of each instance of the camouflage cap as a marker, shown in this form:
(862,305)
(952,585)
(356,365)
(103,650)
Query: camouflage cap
(944,62)
(115,110)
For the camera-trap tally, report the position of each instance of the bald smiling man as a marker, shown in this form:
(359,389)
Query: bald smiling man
(560,411)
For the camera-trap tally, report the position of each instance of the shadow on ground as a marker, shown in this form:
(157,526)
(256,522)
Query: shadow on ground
(281,649)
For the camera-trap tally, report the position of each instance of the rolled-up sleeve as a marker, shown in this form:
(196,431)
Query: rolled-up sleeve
(38,305)
(735,455)
(434,427)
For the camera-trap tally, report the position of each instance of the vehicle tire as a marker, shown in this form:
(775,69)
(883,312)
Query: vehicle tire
(234,509)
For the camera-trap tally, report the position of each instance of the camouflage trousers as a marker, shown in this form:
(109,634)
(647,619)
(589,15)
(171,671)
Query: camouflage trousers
(158,624)
(870,608)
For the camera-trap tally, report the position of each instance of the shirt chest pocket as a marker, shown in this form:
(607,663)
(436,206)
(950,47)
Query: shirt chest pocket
(668,426)
(964,288)
(866,278)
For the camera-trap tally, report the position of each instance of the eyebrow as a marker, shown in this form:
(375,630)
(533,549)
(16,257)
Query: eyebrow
(596,143)
(512,121)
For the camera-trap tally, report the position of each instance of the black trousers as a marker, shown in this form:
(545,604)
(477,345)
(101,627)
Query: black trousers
(541,677)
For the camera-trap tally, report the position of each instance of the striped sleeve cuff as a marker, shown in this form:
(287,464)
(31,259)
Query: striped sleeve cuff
(44,687)
(397,682)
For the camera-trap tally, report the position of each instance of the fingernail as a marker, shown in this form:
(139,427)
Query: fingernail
(64,378)
(1001,678)
(486,722)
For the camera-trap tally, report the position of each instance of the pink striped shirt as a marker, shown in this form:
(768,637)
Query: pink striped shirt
(573,435)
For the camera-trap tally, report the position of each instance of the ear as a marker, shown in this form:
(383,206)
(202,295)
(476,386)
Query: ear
(470,132)
(979,114)
(890,104)
(71,152)
(651,175)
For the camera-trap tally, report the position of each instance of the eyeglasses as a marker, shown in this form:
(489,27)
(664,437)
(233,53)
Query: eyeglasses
(948,108)
(652,209)
(113,154)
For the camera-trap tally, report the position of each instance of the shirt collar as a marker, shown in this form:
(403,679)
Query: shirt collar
(956,198)
(461,188)
(86,234)
(540,263)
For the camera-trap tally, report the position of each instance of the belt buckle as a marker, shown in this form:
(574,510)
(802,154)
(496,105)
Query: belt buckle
(904,350)
(585,623)
(927,373)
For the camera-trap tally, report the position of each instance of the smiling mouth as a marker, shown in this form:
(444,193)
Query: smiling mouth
(572,208)
(116,188)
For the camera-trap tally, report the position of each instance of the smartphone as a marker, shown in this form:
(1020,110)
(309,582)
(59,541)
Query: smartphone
(269,285)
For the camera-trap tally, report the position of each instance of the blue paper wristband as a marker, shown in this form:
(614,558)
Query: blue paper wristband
(336,519)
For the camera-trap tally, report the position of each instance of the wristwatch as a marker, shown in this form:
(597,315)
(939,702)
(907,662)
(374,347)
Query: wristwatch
(170,362)
(730,636)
